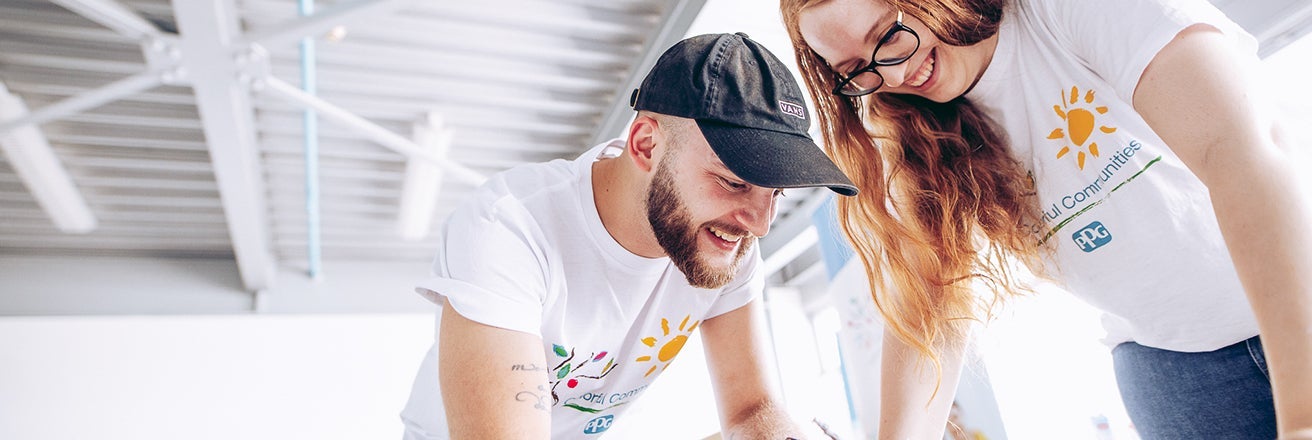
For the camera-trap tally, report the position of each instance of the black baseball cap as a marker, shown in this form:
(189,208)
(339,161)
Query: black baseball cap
(748,107)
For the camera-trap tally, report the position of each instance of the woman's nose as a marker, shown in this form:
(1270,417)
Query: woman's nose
(894,75)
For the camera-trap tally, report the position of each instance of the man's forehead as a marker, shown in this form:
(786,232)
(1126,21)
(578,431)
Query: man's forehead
(718,165)
(711,158)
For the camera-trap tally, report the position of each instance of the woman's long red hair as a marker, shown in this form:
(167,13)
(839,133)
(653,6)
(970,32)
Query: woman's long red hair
(944,212)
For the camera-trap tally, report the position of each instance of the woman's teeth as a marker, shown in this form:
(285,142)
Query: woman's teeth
(725,236)
(923,74)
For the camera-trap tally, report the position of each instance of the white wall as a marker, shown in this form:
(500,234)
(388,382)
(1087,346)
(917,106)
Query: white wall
(256,377)
(106,285)
(101,285)
(207,377)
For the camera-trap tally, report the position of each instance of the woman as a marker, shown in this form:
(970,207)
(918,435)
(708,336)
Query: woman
(1117,147)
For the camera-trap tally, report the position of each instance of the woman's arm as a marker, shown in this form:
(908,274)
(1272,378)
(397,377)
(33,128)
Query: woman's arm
(906,384)
(1198,95)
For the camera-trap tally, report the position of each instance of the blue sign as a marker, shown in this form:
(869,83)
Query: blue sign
(599,424)
(1092,237)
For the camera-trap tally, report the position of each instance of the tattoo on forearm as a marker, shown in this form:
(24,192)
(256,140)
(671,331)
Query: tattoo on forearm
(538,398)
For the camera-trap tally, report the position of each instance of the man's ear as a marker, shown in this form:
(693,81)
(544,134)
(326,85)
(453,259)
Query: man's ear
(641,147)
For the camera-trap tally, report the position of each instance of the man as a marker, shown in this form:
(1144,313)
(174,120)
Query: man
(567,287)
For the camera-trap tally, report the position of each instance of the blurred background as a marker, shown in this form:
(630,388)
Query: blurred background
(213,213)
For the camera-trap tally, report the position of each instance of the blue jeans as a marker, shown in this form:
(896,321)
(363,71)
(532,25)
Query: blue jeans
(1215,395)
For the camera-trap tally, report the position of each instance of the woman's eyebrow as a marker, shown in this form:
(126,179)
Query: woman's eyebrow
(875,33)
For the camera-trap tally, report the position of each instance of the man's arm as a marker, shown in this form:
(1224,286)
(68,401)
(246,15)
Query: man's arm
(737,358)
(494,381)
(1197,95)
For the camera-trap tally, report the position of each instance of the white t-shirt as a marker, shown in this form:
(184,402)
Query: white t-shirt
(1134,229)
(529,253)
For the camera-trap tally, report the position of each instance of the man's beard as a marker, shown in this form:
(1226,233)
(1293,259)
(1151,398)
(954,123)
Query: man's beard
(670,221)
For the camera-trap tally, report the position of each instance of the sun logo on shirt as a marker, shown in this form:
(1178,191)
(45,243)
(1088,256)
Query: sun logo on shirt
(670,347)
(1080,121)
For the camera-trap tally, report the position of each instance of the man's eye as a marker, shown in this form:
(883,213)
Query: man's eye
(731,185)
(779,192)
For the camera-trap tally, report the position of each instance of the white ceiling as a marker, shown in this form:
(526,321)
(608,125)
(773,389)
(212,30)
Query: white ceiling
(206,162)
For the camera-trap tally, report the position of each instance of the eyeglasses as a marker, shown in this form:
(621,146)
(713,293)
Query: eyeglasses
(897,46)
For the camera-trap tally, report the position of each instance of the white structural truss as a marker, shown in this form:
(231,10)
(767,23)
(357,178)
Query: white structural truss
(158,145)
(221,50)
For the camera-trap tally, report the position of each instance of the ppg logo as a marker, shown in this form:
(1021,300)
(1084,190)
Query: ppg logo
(599,424)
(1092,237)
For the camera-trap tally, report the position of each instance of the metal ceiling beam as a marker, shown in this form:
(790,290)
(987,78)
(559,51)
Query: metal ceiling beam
(36,164)
(799,220)
(1275,23)
(810,272)
(282,90)
(793,247)
(113,15)
(92,98)
(321,22)
(794,235)
(28,148)
(423,180)
(208,29)
(675,22)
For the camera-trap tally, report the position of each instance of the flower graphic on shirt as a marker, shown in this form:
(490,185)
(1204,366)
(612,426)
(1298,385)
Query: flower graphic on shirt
(668,347)
(1081,118)
(570,371)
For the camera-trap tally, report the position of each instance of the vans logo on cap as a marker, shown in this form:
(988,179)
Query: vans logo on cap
(792,109)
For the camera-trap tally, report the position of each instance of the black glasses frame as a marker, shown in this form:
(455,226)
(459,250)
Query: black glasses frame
(875,62)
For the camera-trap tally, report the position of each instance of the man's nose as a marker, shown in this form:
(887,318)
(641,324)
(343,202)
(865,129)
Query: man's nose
(759,212)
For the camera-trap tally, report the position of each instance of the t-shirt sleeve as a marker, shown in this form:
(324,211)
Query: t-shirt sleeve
(490,268)
(1118,38)
(747,286)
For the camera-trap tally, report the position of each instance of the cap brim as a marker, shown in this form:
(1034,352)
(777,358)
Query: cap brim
(774,159)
